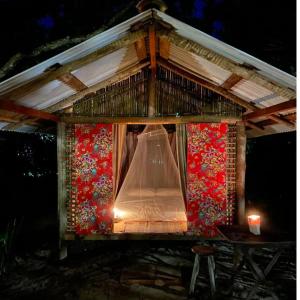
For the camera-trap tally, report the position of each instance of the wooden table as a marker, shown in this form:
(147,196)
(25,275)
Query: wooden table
(245,244)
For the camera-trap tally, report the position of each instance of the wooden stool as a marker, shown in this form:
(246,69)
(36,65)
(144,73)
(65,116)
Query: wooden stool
(205,251)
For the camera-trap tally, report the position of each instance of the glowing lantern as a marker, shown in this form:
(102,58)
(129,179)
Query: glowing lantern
(254,224)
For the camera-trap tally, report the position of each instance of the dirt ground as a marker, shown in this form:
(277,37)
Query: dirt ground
(137,270)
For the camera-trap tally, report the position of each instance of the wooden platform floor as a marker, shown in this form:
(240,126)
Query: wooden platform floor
(150,227)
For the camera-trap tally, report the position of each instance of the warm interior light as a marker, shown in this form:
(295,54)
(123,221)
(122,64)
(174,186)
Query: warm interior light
(118,214)
(254,219)
(254,224)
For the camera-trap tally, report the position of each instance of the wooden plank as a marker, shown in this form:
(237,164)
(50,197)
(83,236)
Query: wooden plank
(52,74)
(241,171)
(148,120)
(281,107)
(140,48)
(8,119)
(231,81)
(152,49)
(61,177)
(164,48)
(72,81)
(122,74)
(11,106)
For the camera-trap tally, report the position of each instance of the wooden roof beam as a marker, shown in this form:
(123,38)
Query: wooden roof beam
(72,81)
(23,110)
(231,81)
(278,108)
(8,119)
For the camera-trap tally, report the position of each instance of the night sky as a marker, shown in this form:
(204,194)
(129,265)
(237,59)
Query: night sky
(265,29)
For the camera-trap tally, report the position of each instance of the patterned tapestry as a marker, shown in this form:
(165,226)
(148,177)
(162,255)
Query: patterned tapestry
(93,178)
(206,177)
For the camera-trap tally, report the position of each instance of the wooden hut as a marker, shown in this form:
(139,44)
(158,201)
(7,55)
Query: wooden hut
(150,69)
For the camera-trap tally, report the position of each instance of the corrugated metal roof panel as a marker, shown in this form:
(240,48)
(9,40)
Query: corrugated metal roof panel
(45,96)
(107,66)
(229,52)
(89,46)
(274,101)
(3,124)
(249,90)
(198,65)
(26,128)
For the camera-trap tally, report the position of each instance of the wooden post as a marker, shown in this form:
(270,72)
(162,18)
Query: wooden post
(241,141)
(61,176)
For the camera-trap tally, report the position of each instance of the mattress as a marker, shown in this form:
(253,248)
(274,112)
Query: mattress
(162,204)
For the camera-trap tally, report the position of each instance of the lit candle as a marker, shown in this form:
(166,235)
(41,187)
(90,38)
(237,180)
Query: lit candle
(254,224)
(118,214)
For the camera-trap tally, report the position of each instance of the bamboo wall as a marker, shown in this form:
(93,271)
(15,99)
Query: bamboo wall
(174,96)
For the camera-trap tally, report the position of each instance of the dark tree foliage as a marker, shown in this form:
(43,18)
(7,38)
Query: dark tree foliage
(265,29)
(271,179)
(28,180)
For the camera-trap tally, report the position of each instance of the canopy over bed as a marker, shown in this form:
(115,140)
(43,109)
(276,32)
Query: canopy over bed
(151,190)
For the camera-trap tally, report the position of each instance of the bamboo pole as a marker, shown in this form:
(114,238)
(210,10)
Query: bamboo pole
(149,120)
(61,175)
(241,171)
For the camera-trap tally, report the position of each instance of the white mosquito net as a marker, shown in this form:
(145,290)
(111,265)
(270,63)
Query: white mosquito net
(151,189)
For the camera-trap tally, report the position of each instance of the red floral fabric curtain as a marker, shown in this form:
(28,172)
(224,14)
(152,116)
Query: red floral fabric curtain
(206,177)
(93,185)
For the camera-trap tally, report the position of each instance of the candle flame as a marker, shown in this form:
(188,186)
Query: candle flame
(254,217)
(118,214)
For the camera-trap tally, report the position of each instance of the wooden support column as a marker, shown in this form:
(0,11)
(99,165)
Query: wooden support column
(241,141)
(62,196)
(151,86)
